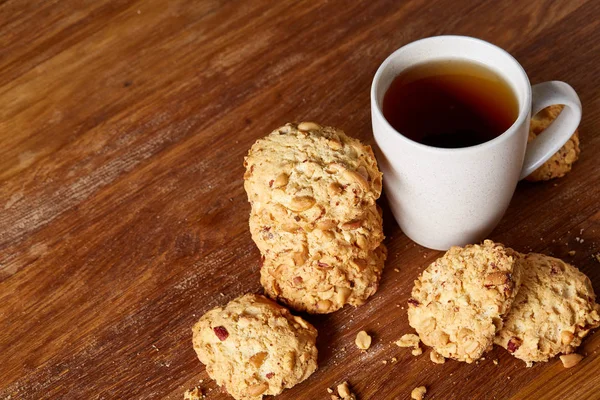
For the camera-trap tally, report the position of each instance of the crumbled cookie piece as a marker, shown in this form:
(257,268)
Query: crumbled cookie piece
(418,393)
(554,309)
(458,301)
(561,162)
(254,347)
(572,253)
(436,357)
(363,340)
(495,361)
(570,360)
(193,394)
(343,392)
(408,340)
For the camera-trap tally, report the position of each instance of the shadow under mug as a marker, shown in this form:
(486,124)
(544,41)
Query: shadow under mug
(443,197)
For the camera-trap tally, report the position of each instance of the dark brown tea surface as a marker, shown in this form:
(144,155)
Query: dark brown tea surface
(450,104)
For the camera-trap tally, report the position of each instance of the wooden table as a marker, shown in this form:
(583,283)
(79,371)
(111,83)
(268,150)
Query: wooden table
(123,216)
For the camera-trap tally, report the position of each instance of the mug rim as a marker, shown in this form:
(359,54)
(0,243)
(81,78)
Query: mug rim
(524,109)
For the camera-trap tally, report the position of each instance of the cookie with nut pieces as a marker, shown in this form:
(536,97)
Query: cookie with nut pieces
(458,301)
(323,283)
(314,218)
(562,161)
(255,347)
(313,174)
(553,310)
(273,238)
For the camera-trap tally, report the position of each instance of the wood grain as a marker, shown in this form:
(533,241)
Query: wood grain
(123,218)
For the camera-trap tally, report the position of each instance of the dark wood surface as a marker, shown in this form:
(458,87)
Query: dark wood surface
(123,218)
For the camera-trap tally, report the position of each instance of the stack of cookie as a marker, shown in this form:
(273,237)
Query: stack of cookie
(533,305)
(314,217)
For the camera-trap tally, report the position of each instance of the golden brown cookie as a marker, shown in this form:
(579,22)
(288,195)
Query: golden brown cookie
(255,347)
(272,237)
(561,162)
(553,310)
(324,283)
(458,302)
(308,173)
(314,218)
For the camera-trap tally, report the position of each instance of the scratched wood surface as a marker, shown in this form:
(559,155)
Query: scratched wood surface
(123,127)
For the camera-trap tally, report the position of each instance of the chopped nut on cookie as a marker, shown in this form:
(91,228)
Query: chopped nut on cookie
(363,340)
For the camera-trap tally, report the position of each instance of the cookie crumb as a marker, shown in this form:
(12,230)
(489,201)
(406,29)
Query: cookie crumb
(572,253)
(344,391)
(384,362)
(495,362)
(394,360)
(363,340)
(329,390)
(570,360)
(193,394)
(408,340)
(436,357)
(396,269)
(597,257)
(418,393)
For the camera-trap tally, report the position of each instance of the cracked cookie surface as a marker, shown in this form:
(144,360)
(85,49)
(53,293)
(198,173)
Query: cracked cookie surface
(553,310)
(459,300)
(255,347)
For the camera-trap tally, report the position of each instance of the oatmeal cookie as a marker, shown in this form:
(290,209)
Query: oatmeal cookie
(458,302)
(553,310)
(561,162)
(307,173)
(273,237)
(255,347)
(323,283)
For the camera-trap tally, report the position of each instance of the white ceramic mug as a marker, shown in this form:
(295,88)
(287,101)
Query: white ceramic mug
(444,197)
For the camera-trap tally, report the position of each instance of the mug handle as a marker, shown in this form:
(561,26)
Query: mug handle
(540,149)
